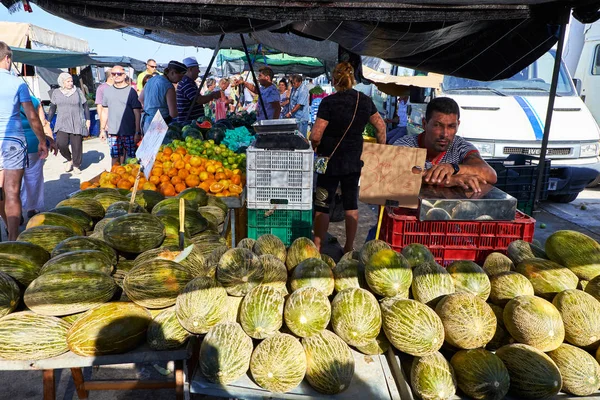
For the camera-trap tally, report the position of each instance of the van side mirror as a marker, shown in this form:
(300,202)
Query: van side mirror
(577,83)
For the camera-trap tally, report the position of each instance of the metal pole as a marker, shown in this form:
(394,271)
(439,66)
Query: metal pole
(189,113)
(256,85)
(551,98)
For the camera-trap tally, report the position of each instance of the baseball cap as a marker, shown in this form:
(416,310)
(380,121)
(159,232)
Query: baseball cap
(190,62)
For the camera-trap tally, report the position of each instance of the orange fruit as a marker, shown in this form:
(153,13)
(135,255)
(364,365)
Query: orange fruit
(124,184)
(156,171)
(192,180)
(114,179)
(131,179)
(235,189)
(237,171)
(172,172)
(195,161)
(175,180)
(180,187)
(154,179)
(85,185)
(205,186)
(187,158)
(183,173)
(216,187)
(165,178)
(167,189)
(211,169)
(236,180)
(142,181)
(149,186)
(108,185)
(157,164)
(188,166)
(167,151)
(120,170)
(167,164)
(202,168)
(194,171)
(220,176)
(225,183)
(203,176)
(181,151)
(175,157)
(228,173)
(180,164)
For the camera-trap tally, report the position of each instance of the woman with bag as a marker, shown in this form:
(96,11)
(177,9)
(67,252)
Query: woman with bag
(72,121)
(338,142)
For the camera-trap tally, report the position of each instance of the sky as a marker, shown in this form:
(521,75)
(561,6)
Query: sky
(108,42)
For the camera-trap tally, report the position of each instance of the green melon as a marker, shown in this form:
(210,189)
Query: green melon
(576,251)
(278,363)
(55,219)
(505,286)
(68,292)
(300,250)
(165,332)
(275,272)
(432,377)
(356,316)
(190,257)
(172,203)
(496,263)
(580,372)
(213,222)
(313,272)
(10,294)
(348,274)
(86,222)
(218,214)
(534,321)
(172,229)
(469,322)
(195,195)
(21,269)
(466,211)
(147,198)
(239,270)
(194,221)
(70,319)
(209,240)
(377,346)
(533,375)
(217,202)
(307,311)
(582,284)
(430,283)
(480,374)
(328,260)
(411,326)
(156,284)
(470,278)
(580,313)
(246,243)
(201,305)
(134,233)
(213,257)
(417,254)
(501,336)
(547,277)
(99,229)
(261,312)
(28,336)
(106,199)
(90,193)
(520,250)
(120,208)
(225,353)
(232,307)
(593,288)
(351,255)
(79,260)
(90,206)
(34,253)
(330,364)
(388,274)
(85,243)
(370,248)
(111,328)
(45,236)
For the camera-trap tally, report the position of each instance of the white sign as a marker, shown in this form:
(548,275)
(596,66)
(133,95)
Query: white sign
(151,142)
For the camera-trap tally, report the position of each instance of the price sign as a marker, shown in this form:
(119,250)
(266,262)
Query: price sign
(151,142)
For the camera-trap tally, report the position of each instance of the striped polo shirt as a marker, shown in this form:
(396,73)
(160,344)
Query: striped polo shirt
(459,149)
(186,91)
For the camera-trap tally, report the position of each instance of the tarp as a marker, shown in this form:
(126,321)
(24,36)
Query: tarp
(109,61)
(25,35)
(400,85)
(230,62)
(51,58)
(279,59)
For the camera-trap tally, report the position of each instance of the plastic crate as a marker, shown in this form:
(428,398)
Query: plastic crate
(287,225)
(454,240)
(279,198)
(279,160)
(279,179)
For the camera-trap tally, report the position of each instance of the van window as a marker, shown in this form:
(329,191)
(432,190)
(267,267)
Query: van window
(596,65)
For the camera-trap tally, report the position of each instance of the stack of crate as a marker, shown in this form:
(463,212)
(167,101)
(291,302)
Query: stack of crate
(279,193)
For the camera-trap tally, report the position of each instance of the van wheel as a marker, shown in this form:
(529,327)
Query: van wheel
(595,182)
(563,198)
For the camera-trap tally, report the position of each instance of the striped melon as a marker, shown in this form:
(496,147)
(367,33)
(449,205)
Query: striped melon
(156,284)
(370,248)
(20,268)
(196,196)
(388,274)
(417,254)
(108,198)
(134,233)
(576,251)
(239,270)
(278,363)
(328,260)
(270,244)
(10,294)
(55,219)
(201,305)
(547,277)
(307,311)
(165,332)
(430,283)
(147,198)
(45,236)
(356,316)
(246,243)
(469,322)
(79,260)
(501,336)
(470,277)
(194,221)
(300,250)
(496,263)
(329,362)
(351,255)
(110,328)
(90,193)
(582,284)
(411,326)
(70,319)
(275,272)
(90,206)
(533,375)
(505,286)
(85,243)
(225,353)
(232,306)
(534,321)
(190,258)
(520,250)
(34,253)
(68,292)
(377,346)
(261,312)
(580,313)
(432,377)
(119,208)
(580,372)
(313,272)
(172,203)
(480,374)
(348,274)
(218,212)
(28,336)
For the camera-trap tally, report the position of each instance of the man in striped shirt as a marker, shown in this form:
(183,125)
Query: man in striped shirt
(451,160)
(186,92)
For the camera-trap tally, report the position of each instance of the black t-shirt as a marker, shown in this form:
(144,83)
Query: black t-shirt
(338,109)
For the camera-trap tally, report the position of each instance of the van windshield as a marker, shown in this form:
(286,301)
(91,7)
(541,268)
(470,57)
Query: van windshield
(533,80)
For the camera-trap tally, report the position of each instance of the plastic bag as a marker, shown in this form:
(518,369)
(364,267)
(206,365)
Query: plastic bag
(237,138)
(220,110)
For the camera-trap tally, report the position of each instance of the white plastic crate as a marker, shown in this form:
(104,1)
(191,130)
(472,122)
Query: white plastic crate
(279,160)
(279,198)
(279,179)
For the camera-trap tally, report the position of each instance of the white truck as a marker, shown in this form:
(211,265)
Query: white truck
(588,69)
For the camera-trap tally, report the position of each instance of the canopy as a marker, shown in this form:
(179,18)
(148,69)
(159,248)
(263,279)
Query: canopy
(400,85)
(232,62)
(20,34)
(51,58)
(492,39)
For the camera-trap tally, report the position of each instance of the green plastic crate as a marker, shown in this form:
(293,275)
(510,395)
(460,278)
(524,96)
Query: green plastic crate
(287,225)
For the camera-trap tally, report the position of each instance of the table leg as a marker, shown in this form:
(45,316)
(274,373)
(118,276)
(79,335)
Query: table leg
(179,380)
(49,387)
(79,383)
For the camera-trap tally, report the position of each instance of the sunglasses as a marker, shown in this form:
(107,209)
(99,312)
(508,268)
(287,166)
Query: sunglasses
(151,66)
(118,73)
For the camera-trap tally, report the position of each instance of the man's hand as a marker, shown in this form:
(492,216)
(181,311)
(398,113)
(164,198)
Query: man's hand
(103,136)
(467,182)
(53,146)
(438,174)
(42,150)
(137,137)
(87,124)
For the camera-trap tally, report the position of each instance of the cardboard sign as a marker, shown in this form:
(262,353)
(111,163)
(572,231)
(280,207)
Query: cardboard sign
(391,173)
(151,142)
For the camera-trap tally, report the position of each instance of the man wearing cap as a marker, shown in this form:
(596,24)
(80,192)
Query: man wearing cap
(150,70)
(186,92)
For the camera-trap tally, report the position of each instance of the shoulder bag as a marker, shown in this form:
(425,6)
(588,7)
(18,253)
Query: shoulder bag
(84,130)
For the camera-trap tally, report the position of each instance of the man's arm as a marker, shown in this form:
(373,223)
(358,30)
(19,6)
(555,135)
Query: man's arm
(36,126)
(138,117)
(250,86)
(379,125)
(172,103)
(276,109)
(47,130)
(103,122)
(473,164)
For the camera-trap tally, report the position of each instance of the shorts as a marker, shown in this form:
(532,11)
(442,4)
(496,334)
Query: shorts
(13,153)
(327,186)
(120,144)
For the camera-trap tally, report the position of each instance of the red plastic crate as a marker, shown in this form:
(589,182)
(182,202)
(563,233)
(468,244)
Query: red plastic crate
(450,241)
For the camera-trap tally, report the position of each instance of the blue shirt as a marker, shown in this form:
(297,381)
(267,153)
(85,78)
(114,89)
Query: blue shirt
(186,91)
(14,92)
(300,96)
(269,95)
(402,116)
(32,140)
(155,97)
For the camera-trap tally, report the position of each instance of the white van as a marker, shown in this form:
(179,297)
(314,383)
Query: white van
(507,117)
(588,70)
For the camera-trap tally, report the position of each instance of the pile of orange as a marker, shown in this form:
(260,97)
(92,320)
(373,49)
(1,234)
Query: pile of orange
(119,177)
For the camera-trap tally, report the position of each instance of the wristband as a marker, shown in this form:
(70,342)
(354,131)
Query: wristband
(456,168)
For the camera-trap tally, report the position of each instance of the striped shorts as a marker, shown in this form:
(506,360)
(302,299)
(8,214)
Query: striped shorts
(121,144)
